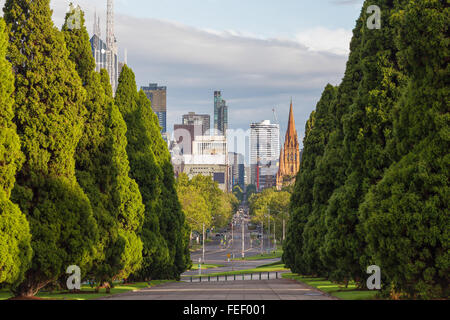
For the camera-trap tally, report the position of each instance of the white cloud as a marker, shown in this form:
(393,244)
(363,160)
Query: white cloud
(322,39)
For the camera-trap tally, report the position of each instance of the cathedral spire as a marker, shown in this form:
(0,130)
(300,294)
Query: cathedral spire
(291,131)
(290,154)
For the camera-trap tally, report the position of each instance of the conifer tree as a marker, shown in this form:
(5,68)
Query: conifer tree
(15,249)
(172,221)
(98,172)
(49,117)
(316,138)
(405,216)
(126,199)
(147,173)
(367,129)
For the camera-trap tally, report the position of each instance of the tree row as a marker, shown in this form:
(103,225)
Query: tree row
(85,177)
(373,188)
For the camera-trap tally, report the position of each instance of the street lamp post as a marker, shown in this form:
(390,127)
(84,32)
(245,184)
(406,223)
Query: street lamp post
(262,236)
(203,243)
(232,234)
(243,239)
(275,234)
(268,228)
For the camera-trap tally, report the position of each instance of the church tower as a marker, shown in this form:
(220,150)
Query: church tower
(289,155)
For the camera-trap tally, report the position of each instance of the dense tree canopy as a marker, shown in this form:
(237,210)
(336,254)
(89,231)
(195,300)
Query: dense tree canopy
(15,249)
(213,207)
(163,233)
(405,218)
(373,184)
(49,115)
(100,170)
(270,205)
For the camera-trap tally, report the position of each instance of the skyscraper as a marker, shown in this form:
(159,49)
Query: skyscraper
(220,114)
(264,152)
(158,96)
(237,164)
(105,53)
(198,119)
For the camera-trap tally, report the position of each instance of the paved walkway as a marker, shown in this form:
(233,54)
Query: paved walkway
(281,289)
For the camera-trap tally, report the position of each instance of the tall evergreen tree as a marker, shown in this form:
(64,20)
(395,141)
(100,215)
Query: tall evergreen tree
(49,116)
(318,129)
(148,175)
(15,237)
(98,172)
(315,230)
(172,221)
(127,201)
(331,168)
(329,173)
(405,216)
(367,129)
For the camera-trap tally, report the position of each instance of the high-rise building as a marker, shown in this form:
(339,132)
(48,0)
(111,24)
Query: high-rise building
(237,164)
(198,119)
(209,158)
(289,155)
(105,53)
(158,96)
(185,135)
(264,153)
(220,114)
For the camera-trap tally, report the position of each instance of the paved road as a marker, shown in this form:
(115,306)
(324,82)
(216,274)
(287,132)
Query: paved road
(277,289)
(281,289)
(217,254)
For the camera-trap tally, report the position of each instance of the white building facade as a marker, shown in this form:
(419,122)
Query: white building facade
(264,152)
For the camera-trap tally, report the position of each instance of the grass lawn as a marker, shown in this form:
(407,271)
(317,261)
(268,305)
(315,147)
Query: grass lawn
(4,294)
(205,266)
(334,289)
(266,268)
(273,255)
(87,289)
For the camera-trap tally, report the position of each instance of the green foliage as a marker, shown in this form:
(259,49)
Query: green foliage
(163,234)
(405,216)
(203,202)
(367,129)
(49,116)
(102,168)
(126,197)
(239,194)
(273,202)
(318,130)
(15,249)
(250,189)
(373,184)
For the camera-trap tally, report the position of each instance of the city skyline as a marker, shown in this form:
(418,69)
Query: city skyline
(305,52)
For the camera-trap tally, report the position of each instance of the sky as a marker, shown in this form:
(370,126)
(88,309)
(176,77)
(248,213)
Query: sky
(259,53)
